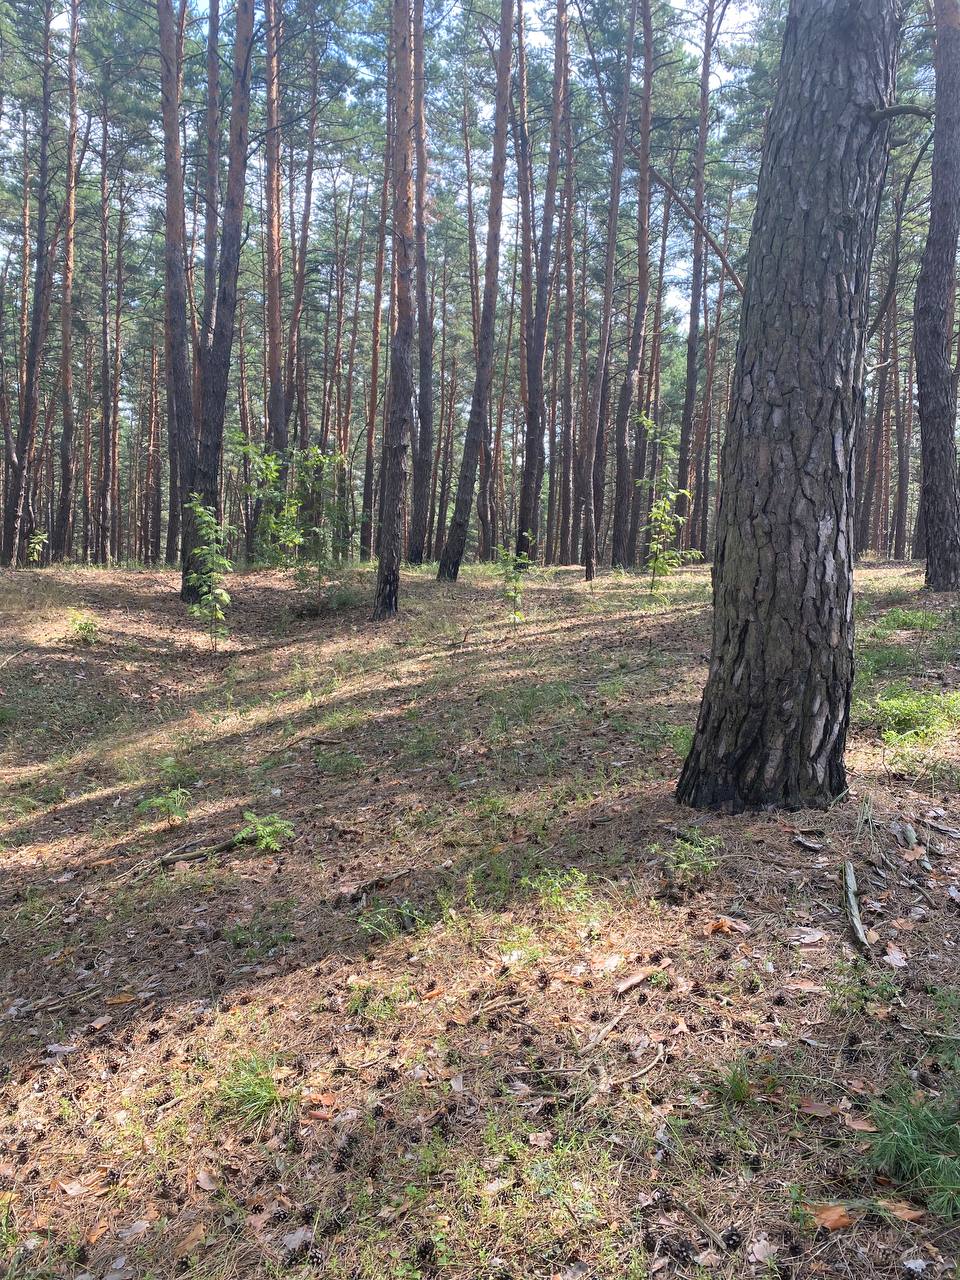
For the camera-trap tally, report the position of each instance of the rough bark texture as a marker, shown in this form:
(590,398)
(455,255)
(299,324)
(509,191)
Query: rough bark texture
(936,389)
(773,720)
(397,433)
(480,402)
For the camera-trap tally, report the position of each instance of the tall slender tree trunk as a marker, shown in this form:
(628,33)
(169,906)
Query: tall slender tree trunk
(478,421)
(423,454)
(276,417)
(63,531)
(592,426)
(936,286)
(205,479)
(398,427)
(211,181)
(620,550)
(15,514)
(528,514)
(366,510)
(710,32)
(773,720)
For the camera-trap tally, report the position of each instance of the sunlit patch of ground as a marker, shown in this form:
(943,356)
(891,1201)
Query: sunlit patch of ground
(470,996)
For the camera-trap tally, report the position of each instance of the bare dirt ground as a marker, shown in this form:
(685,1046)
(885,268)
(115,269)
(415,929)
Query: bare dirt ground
(468,996)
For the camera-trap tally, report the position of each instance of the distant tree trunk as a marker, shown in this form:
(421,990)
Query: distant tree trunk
(528,514)
(211,184)
(21,460)
(874,444)
(397,433)
(592,426)
(179,385)
(277,440)
(477,423)
(63,532)
(773,720)
(423,453)
(620,552)
(566,554)
(936,286)
(710,33)
(205,480)
(366,510)
(904,423)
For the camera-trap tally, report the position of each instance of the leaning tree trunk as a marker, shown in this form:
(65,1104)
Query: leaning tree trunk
(397,432)
(773,720)
(480,401)
(936,388)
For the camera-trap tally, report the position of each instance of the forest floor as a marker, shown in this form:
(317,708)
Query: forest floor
(491,1007)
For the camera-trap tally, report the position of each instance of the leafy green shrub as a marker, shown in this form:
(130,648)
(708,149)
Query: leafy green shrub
(84,629)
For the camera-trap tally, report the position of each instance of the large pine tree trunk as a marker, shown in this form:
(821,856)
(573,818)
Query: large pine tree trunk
(398,426)
(773,720)
(936,388)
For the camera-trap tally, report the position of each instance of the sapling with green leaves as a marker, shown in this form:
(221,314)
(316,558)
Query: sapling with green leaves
(512,567)
(664,525)
(212,566)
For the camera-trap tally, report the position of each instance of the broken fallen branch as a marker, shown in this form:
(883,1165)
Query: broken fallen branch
(852,902)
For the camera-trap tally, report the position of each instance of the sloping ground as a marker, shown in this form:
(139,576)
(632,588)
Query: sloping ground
(491,1005)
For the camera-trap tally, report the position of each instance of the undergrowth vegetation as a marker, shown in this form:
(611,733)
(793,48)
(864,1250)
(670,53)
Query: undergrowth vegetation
(390,957)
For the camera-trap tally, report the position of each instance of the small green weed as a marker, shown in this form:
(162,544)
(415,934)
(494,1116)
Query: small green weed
(907,715)
(264,934)
(733,1084)
(249,1093)
(390,920)
(918,1144)
(854,985)
(338,764)
(565,892)
(172,805)
(692,858)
